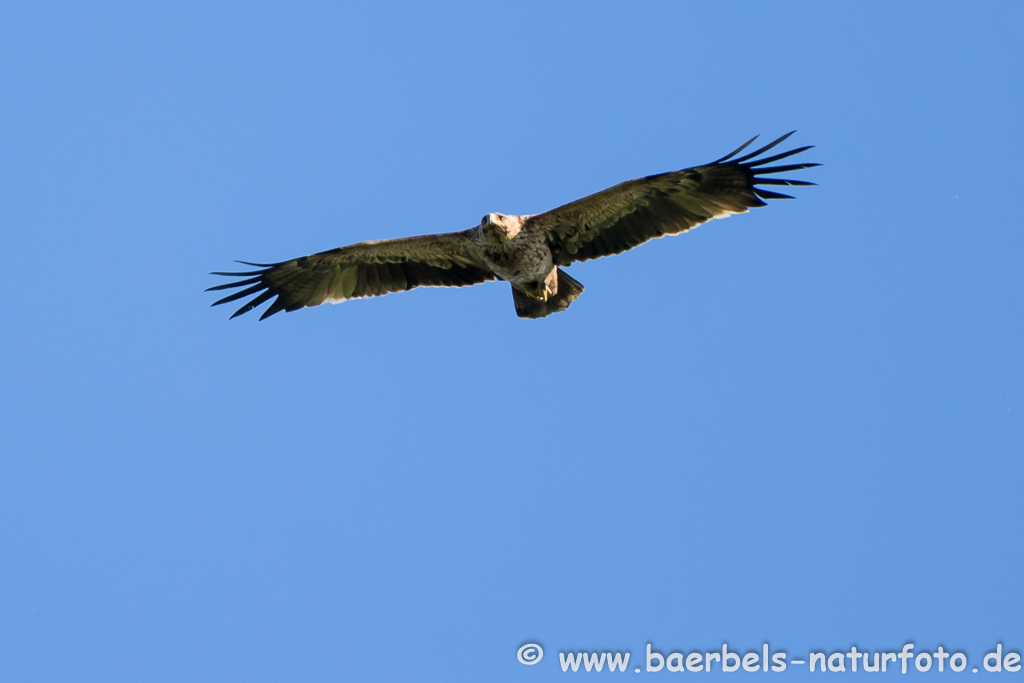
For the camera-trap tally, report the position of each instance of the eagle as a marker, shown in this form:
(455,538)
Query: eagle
(528,251)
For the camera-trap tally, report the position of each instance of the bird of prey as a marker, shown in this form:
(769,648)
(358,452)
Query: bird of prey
(526,251)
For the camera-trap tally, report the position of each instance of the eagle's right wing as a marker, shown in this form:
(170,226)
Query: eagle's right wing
(358,270)
(633,212)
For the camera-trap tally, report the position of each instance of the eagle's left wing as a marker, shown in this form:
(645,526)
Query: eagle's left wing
(358,270)
(633,212)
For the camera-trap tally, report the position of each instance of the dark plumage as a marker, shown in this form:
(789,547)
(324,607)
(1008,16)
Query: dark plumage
(525,250)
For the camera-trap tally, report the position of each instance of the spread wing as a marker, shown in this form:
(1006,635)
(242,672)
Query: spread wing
(631,213)
(358,270)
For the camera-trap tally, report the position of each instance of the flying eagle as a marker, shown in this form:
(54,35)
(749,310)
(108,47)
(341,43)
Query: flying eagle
(526,251)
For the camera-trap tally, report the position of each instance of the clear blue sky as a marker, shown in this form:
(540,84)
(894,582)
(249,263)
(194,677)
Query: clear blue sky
(803,425)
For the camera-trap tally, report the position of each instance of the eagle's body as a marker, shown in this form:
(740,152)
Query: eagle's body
(512,253)
(526,251)
(516,251)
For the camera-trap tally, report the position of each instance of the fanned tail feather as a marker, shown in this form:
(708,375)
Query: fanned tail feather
(569,290)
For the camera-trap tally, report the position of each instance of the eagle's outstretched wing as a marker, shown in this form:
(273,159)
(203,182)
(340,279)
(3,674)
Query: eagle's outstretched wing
(630,213)
(358,270)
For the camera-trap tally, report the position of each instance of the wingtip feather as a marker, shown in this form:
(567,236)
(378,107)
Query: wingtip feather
(768,194)
(232,285)
(736,151)
(763,149)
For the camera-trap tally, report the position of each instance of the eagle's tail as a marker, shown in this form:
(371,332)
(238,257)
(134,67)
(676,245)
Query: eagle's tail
(568,291)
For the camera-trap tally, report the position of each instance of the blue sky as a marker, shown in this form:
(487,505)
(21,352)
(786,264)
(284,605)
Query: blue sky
(800,426)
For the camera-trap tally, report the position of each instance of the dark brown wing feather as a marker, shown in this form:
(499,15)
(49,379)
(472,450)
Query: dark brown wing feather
(358,270)
(633,212)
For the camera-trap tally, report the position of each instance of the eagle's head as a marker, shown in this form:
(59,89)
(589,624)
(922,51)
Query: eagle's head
(498,228)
